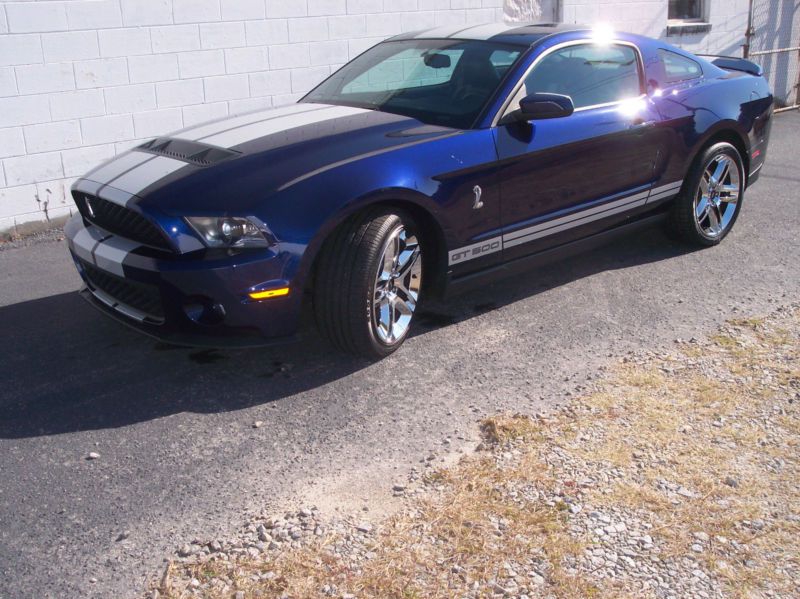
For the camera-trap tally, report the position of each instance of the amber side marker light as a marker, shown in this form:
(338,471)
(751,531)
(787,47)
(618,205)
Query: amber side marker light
(257,295)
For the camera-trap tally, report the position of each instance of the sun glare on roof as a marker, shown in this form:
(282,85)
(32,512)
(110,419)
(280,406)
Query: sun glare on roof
(602,33)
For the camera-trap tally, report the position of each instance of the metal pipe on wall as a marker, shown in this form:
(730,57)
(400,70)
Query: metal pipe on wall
(748,34)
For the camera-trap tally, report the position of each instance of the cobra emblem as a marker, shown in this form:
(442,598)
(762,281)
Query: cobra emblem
(477,204)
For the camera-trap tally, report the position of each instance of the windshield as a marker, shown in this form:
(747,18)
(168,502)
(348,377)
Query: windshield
(439,82)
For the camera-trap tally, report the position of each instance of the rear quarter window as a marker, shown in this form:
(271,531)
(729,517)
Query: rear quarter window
(679,68)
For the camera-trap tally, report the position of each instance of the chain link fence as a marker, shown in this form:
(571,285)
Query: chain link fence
(774,43)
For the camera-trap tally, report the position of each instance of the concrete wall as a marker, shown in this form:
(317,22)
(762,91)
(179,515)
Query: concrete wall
(728,19)
(82,80)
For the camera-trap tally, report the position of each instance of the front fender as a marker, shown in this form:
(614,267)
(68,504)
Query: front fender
(429,178)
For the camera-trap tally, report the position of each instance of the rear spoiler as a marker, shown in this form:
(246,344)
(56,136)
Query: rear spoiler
(731,63)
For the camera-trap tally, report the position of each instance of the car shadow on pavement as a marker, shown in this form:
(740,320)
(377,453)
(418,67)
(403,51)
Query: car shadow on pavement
(64,368)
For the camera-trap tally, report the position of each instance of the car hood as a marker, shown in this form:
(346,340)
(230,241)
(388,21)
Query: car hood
(236,163)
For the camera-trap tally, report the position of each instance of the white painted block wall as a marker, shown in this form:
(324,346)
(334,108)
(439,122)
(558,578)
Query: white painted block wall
(728,20)
(83,80)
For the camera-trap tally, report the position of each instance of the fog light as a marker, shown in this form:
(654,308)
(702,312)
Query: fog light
(204,311)
(258,295)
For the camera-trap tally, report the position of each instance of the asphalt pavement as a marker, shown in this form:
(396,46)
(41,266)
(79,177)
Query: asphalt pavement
(179,457)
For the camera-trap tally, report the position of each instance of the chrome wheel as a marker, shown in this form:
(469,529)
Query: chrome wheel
(397,285)
(717,195)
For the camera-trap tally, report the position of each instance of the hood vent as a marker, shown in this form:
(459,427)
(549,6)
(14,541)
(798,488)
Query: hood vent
(192,152)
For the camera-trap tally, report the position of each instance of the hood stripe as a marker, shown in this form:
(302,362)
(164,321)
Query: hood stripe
(117,167)
(205,130)
(147,173)
(246,133)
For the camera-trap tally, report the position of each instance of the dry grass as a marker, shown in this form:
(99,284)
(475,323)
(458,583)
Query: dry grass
(720,420)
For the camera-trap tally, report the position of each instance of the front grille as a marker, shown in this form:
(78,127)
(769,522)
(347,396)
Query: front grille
(140,296)
(121,221)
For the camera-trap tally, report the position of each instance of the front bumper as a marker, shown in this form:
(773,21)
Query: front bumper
(187,299)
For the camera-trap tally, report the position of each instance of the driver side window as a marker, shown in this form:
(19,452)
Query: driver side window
(590,74)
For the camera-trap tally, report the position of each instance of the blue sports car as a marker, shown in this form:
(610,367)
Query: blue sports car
(431,161)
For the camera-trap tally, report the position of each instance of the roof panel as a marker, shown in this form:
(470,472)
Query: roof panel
(514,33)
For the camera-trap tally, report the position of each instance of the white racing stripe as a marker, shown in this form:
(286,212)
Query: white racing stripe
(135,171)
(563,223)
(84,242)
(574,223)
(474,32)
(667,187)
(146,174)
(110,254)
(201,131)
(576,216)
(441,32)
(484,32)
(235,137)
(665,191)
(118,166)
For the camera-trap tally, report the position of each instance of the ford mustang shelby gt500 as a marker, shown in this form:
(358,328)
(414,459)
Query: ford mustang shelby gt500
(428,162)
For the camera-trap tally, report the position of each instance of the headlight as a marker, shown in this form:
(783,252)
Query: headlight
(228,231)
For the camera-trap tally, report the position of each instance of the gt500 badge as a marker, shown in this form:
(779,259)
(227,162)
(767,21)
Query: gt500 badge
(475,250)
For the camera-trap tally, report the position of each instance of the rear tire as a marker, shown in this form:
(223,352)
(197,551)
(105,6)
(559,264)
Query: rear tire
(711,198)
(368,283)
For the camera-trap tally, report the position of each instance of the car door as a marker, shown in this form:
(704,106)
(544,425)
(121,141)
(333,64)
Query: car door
(564,178)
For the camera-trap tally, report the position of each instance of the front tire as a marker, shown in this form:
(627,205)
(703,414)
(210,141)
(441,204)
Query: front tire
(368,283)
(709,204)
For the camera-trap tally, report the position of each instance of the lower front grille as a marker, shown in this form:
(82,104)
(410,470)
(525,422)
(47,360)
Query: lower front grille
(124,294)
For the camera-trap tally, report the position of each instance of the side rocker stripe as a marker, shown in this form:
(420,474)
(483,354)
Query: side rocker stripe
(574,223)
(575,216)
(665,191)
(560,224)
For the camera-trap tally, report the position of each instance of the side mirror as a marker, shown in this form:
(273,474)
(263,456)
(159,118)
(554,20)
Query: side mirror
(545,106)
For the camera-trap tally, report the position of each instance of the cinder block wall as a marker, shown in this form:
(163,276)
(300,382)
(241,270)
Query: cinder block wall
(728,20)
(83,80)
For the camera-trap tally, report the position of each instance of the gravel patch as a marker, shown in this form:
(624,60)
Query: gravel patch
(674,475)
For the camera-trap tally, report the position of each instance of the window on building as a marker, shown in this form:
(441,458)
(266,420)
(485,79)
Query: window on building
(685,10)
(590,74)
(679,68)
